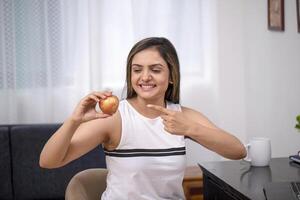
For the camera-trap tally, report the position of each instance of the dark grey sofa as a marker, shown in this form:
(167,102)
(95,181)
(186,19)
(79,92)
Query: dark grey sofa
(20,174)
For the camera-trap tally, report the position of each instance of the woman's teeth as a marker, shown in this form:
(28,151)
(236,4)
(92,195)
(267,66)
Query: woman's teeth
(147,87)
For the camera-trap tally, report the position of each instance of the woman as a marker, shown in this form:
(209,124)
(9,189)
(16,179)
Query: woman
(144,140)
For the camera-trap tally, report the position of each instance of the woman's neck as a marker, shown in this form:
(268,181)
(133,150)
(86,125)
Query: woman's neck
(141,106)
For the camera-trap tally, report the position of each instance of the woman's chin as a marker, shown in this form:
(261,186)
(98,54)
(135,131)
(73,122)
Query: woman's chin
(146,92)
(147,95)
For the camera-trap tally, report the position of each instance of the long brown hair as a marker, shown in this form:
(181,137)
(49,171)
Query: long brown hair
(168,52)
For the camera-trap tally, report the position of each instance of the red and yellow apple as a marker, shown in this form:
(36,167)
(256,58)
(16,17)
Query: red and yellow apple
(109,105)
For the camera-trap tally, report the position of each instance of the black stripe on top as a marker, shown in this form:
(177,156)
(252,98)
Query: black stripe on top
(145,152)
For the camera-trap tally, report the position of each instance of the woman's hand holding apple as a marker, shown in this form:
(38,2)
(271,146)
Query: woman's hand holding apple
(86,108)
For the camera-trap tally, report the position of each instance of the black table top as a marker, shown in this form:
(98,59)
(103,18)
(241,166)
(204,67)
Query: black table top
(248,180)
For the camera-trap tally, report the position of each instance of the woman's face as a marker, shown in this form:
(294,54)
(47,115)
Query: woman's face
(149,75)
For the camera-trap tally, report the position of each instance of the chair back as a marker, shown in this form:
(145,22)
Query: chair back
(88,184)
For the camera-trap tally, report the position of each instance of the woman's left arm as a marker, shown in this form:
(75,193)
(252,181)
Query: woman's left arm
(207,134)
(196,126)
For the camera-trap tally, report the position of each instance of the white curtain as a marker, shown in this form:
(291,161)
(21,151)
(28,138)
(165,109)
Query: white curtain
(54,52)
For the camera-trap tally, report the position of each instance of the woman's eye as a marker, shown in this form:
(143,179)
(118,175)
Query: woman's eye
(156,70)
(136,70)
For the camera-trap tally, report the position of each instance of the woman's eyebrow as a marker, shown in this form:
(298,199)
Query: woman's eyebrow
(157,65)
(137,65)
(152,65)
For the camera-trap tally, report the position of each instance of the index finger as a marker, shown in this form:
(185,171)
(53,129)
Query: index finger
(159,108)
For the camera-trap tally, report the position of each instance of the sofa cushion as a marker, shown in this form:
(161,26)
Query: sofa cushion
(5,170)
(32,182)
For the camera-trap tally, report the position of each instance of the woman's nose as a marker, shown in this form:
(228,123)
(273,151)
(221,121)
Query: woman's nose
(146,76)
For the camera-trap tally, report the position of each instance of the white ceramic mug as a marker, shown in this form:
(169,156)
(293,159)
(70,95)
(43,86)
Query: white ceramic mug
(259,151)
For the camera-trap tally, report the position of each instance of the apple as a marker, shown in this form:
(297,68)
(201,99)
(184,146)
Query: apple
(109,105)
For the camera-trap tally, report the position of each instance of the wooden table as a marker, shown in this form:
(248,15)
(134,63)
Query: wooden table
(193,183)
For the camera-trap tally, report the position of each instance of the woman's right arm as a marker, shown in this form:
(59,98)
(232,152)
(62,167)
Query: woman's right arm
(81,132)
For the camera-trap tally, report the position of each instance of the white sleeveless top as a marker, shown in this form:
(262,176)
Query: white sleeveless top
(149,162)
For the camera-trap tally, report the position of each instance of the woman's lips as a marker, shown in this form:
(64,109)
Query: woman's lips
(147,87)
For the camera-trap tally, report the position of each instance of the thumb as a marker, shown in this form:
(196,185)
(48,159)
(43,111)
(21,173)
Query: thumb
(102,115)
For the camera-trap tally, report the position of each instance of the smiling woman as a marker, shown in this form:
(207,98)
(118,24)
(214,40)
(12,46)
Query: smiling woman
(149,74)
(153,61)
(144,141)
